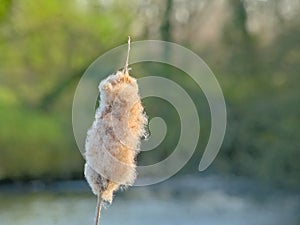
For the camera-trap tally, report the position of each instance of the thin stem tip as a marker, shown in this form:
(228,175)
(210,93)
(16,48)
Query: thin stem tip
(127,58)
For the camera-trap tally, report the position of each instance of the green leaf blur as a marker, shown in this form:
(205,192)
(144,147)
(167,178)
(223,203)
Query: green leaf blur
(254,50)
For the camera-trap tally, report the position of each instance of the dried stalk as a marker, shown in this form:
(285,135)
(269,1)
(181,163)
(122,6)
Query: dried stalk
(98,210)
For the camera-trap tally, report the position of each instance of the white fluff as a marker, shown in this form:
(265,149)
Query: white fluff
(114,138)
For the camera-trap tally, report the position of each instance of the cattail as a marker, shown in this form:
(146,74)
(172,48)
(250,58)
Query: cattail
(113,141)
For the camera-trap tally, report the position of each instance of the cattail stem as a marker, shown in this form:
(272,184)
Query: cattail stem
(127,58)
(98,210)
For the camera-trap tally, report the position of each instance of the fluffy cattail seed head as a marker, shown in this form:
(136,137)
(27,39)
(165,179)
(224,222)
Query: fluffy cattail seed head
(114,138)
(113,141)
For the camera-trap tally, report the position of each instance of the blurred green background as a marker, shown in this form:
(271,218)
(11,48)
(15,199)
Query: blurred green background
(253,47)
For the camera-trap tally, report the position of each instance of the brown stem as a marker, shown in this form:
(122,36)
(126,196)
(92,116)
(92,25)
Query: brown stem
(98,210)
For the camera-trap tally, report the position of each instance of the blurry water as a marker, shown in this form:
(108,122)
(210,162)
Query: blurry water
(189,200)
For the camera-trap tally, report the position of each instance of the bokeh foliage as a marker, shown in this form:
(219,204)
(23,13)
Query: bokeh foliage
(45,47)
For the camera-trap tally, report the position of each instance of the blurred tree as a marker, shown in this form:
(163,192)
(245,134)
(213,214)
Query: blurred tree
(44,51)
(240,41)
(165,28)
(260,139)
(5,8)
